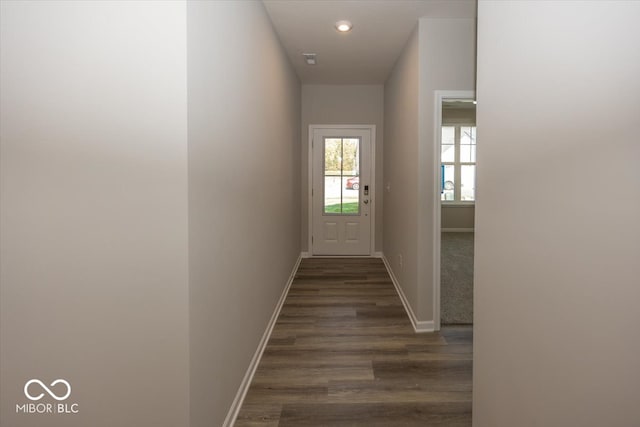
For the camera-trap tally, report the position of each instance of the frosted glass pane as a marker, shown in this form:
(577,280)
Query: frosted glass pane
(448,153)
(468,153)
(468,135)
(448,135)
(468,182)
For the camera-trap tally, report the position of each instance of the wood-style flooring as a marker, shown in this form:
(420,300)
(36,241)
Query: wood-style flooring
(343,353)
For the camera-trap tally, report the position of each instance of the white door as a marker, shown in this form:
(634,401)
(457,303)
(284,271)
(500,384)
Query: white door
(342,191)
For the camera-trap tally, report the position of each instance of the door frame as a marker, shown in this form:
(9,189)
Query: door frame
(440,95)
(372,185)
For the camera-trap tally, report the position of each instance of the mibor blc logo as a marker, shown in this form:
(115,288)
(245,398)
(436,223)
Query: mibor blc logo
(35,390)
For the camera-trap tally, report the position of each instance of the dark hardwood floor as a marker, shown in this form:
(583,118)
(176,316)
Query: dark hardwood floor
(343,353)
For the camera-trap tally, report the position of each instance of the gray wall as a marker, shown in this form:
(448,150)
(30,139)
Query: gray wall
(400,169)
(440,55)
(93,211)
(556,304)
(118,193)
(244,193)
(337,105)
(447,62)
(457,217)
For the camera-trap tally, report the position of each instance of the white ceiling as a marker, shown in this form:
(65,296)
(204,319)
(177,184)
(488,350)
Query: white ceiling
(367,53)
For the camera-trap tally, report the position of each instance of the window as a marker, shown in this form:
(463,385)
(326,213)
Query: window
(341,176)
(458,157)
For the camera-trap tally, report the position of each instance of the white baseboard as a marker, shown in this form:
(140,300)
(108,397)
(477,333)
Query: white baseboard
(419,326)
(458,230)
(374,255)
(425,326)
(248,377)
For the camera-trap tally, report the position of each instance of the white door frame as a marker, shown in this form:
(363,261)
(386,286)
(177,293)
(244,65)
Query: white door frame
(372,185)
(440,95)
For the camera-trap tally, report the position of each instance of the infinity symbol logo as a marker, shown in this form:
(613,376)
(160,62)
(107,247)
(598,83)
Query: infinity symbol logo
(52,394)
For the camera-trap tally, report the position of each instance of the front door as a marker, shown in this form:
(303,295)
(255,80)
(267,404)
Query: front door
(342,191)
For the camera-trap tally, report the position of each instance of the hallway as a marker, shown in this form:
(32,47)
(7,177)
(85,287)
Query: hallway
(343,353)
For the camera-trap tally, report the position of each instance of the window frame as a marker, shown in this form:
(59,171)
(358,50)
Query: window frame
(457,164)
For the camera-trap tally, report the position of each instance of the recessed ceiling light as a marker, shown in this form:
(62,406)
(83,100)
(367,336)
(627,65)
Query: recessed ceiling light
(344,26)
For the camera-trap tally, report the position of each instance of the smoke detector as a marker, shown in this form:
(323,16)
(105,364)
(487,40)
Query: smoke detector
(310,58)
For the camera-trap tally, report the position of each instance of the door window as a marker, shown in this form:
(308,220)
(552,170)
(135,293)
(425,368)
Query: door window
(341,176)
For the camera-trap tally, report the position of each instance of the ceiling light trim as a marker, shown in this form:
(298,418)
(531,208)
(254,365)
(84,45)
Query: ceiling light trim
(344,26)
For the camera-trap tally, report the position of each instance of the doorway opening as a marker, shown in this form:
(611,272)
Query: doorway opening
(455,136)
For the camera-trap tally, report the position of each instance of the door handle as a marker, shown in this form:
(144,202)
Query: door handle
(366,201)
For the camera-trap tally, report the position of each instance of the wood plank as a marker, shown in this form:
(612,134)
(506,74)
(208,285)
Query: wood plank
(343,353)
(277,394)
(259,415)
(313,375)
(442,414)
(387,392)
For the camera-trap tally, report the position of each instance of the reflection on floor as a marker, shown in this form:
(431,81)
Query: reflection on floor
(456,278)
(344,354)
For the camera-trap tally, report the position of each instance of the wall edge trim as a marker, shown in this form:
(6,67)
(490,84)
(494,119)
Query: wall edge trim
(419,326)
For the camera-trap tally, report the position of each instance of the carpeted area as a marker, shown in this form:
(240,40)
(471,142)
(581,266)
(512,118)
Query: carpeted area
(456,278)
